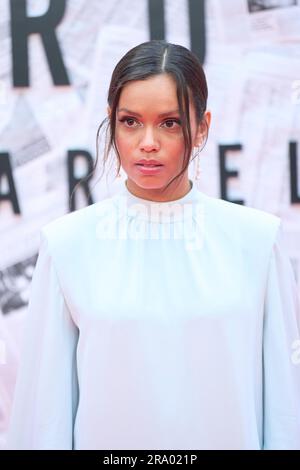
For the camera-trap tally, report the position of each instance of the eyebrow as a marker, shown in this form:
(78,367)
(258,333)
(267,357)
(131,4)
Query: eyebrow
(174,111)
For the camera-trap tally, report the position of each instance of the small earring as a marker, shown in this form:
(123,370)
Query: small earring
(118,175)
(197,169)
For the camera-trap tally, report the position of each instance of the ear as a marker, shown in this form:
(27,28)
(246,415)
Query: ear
(108,111)
(203,128)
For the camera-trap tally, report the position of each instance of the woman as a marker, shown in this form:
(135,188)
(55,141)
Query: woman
(160,318)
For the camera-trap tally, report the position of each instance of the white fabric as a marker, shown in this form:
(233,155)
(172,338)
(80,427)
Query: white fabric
(176,338)
(8,366)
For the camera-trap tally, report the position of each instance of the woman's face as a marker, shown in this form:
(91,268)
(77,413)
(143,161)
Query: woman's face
(148,127)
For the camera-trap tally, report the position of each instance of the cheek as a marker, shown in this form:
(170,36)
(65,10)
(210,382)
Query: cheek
(120,147)
(175,150)
(123,141)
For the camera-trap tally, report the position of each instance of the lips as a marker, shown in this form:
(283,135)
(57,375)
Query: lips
(149,163)
(147,166)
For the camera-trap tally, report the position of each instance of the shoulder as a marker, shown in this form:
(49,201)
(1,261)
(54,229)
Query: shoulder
(240,221)
(73,230)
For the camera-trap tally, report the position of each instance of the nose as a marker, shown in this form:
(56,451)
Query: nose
(149,141)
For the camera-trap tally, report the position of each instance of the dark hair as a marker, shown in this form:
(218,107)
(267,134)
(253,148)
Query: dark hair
(144,61)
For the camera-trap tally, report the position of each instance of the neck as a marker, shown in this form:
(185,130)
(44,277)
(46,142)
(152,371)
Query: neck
(160,194)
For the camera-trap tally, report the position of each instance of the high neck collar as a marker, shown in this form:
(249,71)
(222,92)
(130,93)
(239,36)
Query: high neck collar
(161,212)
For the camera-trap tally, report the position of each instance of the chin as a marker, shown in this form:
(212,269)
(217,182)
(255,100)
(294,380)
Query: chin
(149,182)
(151,185)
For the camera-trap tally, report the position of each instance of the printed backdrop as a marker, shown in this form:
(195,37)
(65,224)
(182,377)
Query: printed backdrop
(56,59)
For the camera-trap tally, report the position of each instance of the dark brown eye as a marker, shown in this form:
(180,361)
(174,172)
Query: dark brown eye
(128,121)
(172,121)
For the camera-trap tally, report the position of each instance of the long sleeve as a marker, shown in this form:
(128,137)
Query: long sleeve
(281,353)
(9,358)
(46,393)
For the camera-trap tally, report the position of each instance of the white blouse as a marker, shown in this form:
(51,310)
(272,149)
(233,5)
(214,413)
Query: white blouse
(157,326)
